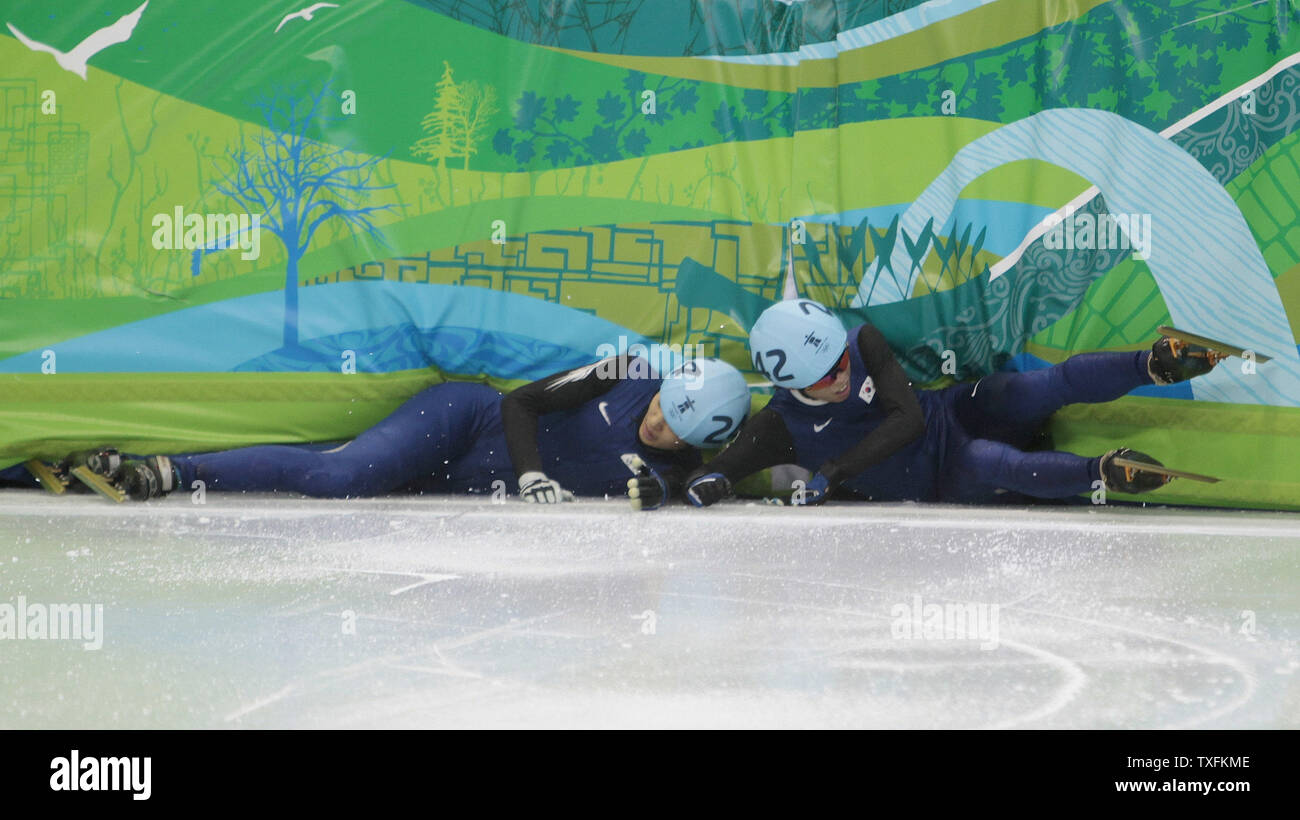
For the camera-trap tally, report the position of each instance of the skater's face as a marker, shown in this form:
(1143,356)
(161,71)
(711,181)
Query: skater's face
(655,431)
(835,386)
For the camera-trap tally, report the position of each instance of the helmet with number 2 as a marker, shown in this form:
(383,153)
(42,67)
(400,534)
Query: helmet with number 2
(704,401)
(796,342)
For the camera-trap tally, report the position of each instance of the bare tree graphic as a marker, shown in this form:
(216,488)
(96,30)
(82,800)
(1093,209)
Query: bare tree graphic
(297,184)
(478,104)
(127,175)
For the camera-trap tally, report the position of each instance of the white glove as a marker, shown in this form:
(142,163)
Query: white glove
(536,488)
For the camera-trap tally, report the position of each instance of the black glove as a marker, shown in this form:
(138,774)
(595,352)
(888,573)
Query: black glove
(707,489)
(647,490)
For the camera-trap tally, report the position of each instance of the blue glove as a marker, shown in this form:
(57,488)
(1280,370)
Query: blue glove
(708,489)
(815,491)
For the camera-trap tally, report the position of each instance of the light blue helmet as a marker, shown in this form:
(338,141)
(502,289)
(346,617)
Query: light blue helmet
(796,342)
(704,401)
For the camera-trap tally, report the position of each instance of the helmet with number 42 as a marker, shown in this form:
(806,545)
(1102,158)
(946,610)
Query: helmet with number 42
(796,342)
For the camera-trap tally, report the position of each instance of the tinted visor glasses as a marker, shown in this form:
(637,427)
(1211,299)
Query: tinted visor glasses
(829,378)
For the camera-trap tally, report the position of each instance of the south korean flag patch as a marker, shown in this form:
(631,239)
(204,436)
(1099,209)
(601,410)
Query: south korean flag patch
(868,391)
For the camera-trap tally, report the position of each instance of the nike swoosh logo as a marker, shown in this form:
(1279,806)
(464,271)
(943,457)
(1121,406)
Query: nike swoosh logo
(605,415)
(817,428)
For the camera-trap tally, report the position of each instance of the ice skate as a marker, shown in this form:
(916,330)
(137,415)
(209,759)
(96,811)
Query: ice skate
(54,478)
(104,461)
(148,478)
(1125,478)
(1174,361)
(111,475)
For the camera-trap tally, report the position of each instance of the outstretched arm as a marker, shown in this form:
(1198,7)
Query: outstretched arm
(904,421)
(521,408)
(763,442)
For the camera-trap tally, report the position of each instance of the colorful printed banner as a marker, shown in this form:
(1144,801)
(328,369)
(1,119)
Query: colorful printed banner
(224,223)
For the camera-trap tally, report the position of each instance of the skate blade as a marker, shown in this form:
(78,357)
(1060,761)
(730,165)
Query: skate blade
(1142,466)
(1206,341)
(99,484)
(45,474)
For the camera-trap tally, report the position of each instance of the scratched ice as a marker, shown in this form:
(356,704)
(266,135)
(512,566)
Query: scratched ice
(256,611)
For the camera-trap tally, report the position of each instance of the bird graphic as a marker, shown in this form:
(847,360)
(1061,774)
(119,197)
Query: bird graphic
(305,13)
(75,60)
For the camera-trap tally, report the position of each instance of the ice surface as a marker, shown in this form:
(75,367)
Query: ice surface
(236,613)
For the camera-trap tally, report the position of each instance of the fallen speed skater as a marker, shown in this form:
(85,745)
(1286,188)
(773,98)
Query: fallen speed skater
(578,432)
(845,410)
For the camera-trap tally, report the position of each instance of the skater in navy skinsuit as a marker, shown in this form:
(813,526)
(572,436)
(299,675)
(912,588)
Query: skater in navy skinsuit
(563,435)
(845,410)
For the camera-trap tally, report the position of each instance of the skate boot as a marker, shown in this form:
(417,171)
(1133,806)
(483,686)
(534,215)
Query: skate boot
(94,470)
(104,461)
(1130,479)
(111,475)
(151,477)
(1175,361)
